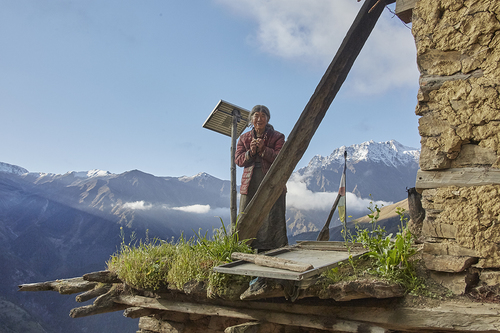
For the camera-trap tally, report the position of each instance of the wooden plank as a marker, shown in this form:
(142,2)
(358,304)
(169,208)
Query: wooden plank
(63,286)
(462,177)
(329,246)
(320,259)
(310,321)
(102,276)
(402,5)
(404,9)
(275,262)
(447,316)
(309,121)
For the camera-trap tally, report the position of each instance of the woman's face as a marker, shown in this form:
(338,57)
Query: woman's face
(259,121)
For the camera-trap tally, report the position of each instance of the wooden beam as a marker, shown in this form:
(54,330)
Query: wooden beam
(461,177)
(447,316)
(88,295)
(91,310)
(309,121)
(310,321)
(138,312)
(64,286)
(102,276)
(404,9)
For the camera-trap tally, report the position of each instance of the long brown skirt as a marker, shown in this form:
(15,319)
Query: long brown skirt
(272,233)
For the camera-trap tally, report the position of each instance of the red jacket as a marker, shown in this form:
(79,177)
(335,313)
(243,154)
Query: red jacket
(273,141)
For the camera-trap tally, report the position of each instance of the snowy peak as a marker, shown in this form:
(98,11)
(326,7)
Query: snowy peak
(390,153)
(199,176)
(89,174)
(5,167)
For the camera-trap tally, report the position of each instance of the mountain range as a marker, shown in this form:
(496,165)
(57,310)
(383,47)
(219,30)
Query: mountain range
(56,226)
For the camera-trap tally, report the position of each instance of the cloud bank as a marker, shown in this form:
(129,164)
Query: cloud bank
(310,32)
(299,197)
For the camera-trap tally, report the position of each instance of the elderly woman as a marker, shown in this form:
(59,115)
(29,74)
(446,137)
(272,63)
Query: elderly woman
(256,151)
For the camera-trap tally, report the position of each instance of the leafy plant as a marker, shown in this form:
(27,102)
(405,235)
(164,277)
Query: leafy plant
(391,254)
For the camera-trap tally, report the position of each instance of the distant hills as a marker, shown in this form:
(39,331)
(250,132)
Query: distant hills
(55,226)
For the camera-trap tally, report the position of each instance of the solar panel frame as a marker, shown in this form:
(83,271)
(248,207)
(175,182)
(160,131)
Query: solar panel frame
(220,119)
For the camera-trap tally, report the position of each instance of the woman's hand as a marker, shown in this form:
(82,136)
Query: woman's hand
(253,147)
(260,145)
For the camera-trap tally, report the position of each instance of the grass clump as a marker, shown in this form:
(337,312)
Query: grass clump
(156,264)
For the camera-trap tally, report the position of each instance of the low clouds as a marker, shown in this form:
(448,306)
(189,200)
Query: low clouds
(299,197)
(142,205)
(191,209)
(310,32)
(137,205)
(196,209)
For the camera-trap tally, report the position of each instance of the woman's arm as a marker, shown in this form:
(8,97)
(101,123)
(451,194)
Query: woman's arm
(243,156)
(275,144)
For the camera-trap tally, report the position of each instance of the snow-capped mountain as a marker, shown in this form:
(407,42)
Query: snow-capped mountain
(90,173)
(5,167)
(390,153)
(382,169)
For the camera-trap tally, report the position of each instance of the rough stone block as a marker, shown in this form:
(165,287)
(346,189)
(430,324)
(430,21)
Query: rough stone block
(349,290)
(490,278)
(446,263)
(455,282)
(438,62)
(433,159)
(473,155)
(160,326)
(448,249)
(438,230)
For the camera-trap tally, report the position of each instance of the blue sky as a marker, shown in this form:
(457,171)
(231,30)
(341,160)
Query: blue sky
(119,85)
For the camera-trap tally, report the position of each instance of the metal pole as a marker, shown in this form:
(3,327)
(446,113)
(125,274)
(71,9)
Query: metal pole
(234,134)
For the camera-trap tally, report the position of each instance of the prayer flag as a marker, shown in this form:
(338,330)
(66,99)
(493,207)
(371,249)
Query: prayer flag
(342,205)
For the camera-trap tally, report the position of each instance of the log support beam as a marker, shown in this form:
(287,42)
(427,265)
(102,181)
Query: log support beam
(64,286)
(310,119)
(301,320)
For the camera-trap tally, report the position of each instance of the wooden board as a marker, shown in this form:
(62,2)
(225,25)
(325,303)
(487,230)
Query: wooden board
(461,177)
(322,255)
(404,9)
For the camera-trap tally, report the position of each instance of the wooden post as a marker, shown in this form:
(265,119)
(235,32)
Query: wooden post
(303,131)
(234,136)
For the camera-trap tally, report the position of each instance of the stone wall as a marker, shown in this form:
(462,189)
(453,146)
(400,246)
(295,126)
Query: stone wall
(458,55)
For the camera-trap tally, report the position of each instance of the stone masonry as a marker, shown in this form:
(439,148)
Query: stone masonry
(458,55)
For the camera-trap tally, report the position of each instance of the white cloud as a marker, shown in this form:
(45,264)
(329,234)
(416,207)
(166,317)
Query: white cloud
(194,209)
(311,32)
(137,205)
(299,197)
(197,209)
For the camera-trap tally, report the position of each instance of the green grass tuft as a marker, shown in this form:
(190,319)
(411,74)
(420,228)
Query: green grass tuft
(156,264)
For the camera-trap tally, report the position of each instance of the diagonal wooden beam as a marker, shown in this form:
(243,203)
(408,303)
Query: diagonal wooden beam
(303,131)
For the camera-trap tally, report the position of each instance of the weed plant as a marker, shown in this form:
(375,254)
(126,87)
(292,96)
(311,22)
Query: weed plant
(155,264)
(390,255)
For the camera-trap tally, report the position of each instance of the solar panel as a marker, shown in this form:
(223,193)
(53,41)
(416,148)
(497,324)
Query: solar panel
(221,118)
